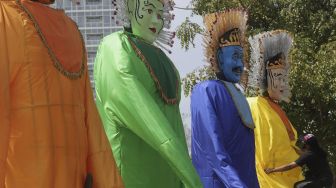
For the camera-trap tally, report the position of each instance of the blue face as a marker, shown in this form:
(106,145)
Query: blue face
(231,62)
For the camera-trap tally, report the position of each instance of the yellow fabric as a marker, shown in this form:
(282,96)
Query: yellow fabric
(50,132)
(273,146)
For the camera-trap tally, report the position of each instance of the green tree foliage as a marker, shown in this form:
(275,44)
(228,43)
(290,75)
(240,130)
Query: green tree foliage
(204,73)
(313,72)
(187,32)
(313,106)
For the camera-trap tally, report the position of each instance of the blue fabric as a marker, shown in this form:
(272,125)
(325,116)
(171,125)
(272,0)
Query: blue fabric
(222,147)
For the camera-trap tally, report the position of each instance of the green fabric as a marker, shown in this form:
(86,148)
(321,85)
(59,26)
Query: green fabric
(145,133)
(161,66)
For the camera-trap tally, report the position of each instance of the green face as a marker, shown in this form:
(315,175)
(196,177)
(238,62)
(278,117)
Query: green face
(146,18)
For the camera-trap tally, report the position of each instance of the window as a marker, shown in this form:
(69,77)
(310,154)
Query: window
(93,2)
(94,37)
(94,19)
(91,56)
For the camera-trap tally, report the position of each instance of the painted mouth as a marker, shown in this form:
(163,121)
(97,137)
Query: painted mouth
(237,70)
(152,29)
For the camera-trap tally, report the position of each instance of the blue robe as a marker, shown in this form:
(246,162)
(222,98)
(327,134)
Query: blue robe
(223,150)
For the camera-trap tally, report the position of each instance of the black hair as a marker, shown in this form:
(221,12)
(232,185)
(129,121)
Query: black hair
(315,147)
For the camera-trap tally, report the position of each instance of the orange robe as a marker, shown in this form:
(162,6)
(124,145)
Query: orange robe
(51,135)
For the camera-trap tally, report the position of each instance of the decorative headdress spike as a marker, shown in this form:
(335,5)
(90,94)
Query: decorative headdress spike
(223,29)
(166,38)
(121,13)
(269,50)
(159,44)
(168,33)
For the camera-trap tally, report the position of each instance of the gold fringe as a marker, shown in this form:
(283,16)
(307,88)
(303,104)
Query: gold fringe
(56,63)
(156,80)
(216,25)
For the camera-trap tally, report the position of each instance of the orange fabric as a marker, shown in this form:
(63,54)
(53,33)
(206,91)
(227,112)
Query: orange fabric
(51,135)
(67,47)
(284,119)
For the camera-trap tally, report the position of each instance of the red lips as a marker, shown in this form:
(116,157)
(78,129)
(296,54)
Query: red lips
(152,29)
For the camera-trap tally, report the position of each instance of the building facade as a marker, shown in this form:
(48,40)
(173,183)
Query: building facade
(95,19)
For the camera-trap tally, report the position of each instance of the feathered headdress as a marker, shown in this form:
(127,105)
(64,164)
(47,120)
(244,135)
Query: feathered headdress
(269,50)
(223,29)
(165,37)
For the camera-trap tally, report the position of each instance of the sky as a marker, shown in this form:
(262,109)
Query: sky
(186,61)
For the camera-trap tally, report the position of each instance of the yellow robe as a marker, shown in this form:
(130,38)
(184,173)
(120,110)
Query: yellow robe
(51,135)
(274,144)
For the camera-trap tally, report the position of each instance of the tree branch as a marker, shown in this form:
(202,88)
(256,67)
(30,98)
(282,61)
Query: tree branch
(181,8)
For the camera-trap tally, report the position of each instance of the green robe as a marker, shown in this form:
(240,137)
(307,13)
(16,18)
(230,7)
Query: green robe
(138,94)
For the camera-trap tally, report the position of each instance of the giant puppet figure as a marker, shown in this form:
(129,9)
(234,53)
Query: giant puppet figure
(51,134)
(275,137)
(138,94)
(222,126)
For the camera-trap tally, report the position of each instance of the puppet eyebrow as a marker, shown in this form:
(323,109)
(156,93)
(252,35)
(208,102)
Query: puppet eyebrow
(150,4)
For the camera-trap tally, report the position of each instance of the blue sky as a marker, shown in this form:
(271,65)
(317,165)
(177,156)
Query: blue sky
(186,61)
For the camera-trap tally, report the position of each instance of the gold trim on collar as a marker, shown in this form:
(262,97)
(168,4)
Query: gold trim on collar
(156,80)
(56,63)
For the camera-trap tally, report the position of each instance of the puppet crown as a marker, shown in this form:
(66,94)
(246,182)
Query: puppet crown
(223,29)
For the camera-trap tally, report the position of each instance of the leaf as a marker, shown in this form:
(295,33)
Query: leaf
(186,33)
